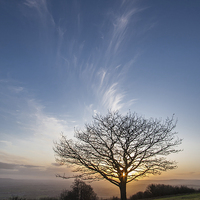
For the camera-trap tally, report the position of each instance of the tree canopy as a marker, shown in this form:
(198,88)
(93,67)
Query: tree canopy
(120,148)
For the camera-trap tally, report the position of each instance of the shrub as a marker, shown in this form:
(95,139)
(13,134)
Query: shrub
(80,191)
(16,198)
(114,198)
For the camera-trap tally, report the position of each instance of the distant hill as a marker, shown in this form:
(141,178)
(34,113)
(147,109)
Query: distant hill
(49,188)
(31,188)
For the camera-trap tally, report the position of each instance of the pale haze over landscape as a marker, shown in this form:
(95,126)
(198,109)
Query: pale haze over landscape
(63,61)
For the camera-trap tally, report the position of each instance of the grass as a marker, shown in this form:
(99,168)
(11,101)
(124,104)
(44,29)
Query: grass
(195,196)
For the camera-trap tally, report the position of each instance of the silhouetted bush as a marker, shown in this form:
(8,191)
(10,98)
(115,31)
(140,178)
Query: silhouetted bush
(42,198)
(80,191)
(16,198)
(156,190)
(115,198)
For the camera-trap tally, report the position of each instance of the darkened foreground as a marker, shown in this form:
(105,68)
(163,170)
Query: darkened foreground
(194,196)
(82,191)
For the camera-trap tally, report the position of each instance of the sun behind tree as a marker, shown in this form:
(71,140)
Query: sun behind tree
(120,148)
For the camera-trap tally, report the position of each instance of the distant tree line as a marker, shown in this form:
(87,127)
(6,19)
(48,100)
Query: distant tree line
(81,191)
(157,190)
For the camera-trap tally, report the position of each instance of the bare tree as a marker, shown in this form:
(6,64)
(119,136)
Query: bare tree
(120,148)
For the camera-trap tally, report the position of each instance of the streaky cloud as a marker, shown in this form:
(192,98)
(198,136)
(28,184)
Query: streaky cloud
(115,68)
(42,9)
(11,166)
(120,24)
(11,158)
(112,99)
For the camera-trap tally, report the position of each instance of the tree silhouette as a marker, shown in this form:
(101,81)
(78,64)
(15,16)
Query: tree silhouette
(119,148)
(80,191)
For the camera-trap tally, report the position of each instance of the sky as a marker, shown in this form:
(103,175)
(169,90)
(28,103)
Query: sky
(63,61)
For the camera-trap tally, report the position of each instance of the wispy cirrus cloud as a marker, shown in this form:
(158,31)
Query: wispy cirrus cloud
(100,68)
(34,129)
(38,14)
(114,69)
(42,9)
(104,67)
(119,29)
(112,98)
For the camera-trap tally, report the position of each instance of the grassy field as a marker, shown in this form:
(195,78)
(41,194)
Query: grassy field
(195,196)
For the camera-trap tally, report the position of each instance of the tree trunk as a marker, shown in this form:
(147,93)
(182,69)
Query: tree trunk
(123,190)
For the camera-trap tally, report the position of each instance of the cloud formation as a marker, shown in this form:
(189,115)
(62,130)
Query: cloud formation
(112,98)
(11,166)
(85,75)
(34,130)
(42,9)
(105,69)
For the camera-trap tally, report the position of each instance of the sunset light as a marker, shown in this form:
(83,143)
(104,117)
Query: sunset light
(64,63)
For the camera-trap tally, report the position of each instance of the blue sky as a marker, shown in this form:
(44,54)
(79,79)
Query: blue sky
(63,61)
